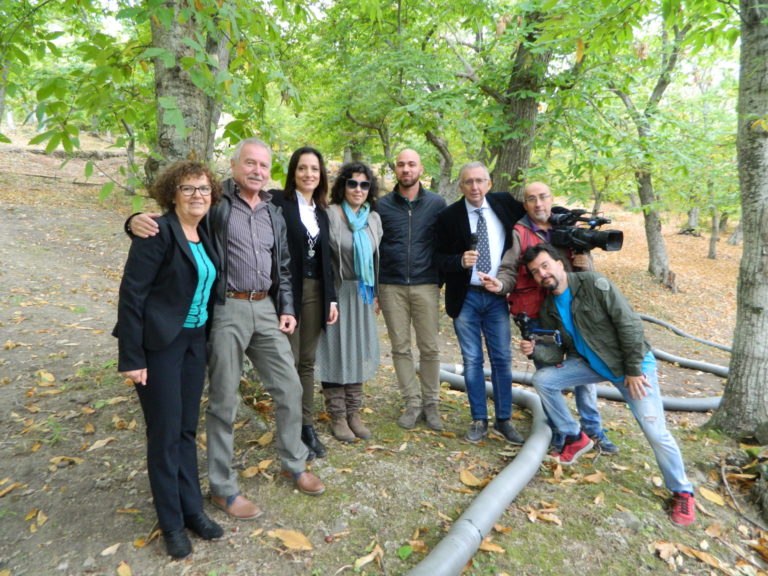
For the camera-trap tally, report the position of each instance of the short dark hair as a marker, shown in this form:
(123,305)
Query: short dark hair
(163,189)
(320,195)
(532,252)
(345,173)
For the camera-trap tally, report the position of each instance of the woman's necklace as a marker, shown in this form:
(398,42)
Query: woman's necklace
(311,241)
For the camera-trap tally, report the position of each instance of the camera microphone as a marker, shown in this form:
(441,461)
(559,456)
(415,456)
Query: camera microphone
(473,241)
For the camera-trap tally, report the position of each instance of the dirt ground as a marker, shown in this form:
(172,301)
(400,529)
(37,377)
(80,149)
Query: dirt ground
(74,496)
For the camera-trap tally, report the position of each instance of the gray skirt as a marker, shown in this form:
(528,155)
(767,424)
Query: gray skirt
(348,351)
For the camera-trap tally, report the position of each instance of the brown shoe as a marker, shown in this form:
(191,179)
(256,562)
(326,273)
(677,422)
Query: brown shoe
(306,482)
(240,508)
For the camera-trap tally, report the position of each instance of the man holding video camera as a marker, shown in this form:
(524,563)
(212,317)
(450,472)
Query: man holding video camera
(525,295)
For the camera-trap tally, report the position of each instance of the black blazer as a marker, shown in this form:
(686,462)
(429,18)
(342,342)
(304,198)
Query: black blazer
(452,237)
(297,235)
(158,285)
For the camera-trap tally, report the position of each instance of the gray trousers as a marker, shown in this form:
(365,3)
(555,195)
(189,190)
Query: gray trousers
(251,328)
(417,306)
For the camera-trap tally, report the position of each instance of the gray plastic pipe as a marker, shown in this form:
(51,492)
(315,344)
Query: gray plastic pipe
(679,332)
(467,533)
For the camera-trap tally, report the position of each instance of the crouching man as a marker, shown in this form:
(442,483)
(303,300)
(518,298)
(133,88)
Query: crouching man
(602,340)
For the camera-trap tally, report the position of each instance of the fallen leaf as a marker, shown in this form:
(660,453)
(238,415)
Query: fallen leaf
(45,378)
(111,550)
(89,428)
(265,439)
(376,554)
(595,478)
(292,539)
(101,443)
(61,461)
(8,489)
(469,479)
(123,569)
(713,497)
(665,550)
(714,530)
(488,546)
(41,518)
(250,472)
(502,529)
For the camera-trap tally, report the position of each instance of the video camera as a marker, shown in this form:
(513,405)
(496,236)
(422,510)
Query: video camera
(566,232)
(537,335)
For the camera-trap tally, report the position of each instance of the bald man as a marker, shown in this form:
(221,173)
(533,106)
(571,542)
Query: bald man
(408,289)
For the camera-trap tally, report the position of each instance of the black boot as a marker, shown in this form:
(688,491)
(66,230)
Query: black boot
(310,438)
(203,526)
(177,543)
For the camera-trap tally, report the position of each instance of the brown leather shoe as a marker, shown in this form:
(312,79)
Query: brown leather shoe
(306,483)
(240,508)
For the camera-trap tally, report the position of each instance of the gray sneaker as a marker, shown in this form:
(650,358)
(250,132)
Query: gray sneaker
(477,431)
(507,429)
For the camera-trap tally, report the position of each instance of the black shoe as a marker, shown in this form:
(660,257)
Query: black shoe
(310,438)
(477,431)
(506,429)
(203,526)
(177,543)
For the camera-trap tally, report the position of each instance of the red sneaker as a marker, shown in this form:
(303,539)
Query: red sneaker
(573,449)
(683,509)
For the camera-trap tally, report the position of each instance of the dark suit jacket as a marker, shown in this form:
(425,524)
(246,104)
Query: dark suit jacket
(296,240)
(158,285)
(453,239)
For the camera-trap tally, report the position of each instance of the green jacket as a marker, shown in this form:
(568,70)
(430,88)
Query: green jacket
(602,315)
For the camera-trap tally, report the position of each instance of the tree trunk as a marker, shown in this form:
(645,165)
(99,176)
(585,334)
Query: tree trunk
(693,219)
(186,117)
(521,106)
(445,187)
(724,216)
(658,260)
(744,408)
(714,236)
(735,238)
(3,91)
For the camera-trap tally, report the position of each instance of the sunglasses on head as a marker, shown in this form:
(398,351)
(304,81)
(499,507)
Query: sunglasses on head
(352,184)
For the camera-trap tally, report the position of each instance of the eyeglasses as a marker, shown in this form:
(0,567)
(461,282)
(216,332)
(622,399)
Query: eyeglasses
(539,198)
(190,190)
(473,181)
(352,184)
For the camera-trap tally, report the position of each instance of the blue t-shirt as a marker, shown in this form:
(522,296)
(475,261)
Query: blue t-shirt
(563,303)
(206,274)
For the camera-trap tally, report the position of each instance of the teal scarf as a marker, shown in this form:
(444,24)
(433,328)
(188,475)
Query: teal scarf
(363,251)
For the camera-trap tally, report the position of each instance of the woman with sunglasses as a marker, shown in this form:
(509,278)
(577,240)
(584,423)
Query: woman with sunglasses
(161,318)
(304,206)
(348,353)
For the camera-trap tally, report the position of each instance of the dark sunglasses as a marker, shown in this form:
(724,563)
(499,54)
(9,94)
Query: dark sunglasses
(353,184)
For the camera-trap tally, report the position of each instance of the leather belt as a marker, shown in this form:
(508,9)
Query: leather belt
(252,295)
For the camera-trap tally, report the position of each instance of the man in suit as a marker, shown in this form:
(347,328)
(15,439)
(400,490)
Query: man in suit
(253,314)
(472,234)
(408,289)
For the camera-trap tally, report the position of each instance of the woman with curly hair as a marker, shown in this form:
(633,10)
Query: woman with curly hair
(348,353)
(161,319)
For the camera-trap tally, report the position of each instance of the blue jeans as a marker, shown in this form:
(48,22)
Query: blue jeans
(486,315)
(586,404)
(648,411)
